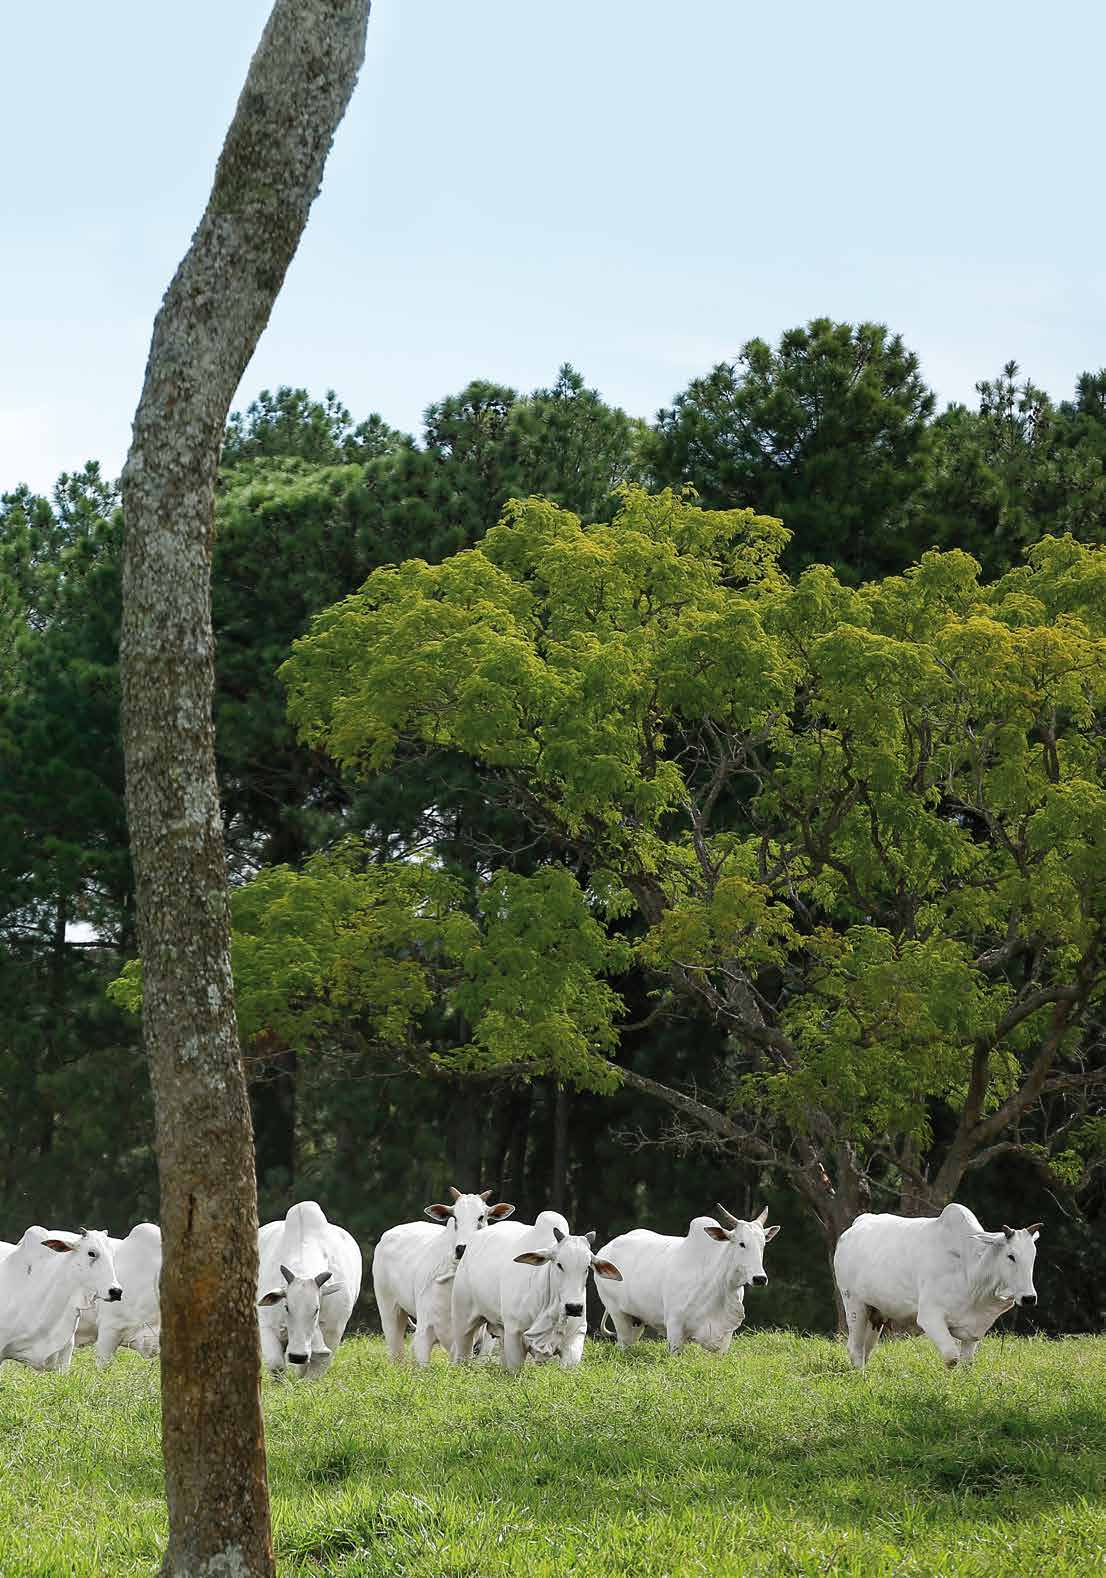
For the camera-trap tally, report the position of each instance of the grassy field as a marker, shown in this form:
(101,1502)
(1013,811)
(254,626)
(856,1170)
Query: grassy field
(776,1460)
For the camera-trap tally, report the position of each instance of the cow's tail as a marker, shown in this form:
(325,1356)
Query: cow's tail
(606,1331)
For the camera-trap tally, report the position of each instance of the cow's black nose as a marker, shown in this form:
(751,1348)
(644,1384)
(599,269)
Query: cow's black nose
(574,1309)
(1029,1298)
(459,1251)
(297,1358)
(115,1294)
(760,1281)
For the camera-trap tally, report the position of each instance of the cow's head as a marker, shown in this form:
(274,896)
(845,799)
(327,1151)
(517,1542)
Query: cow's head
(746,1241)
(92,1266)
(302,1298)
(569,1260)
(1012,1255)
(468,1214)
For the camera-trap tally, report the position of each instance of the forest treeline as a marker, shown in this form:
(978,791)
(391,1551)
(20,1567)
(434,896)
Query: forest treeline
(617,849)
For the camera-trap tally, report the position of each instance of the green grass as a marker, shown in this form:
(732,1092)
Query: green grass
(776,1460)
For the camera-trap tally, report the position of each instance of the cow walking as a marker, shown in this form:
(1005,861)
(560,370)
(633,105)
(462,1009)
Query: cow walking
(528,1284)
(308,1281)
(45,1282)
(691,1288)
(414,1265)
(945,1272)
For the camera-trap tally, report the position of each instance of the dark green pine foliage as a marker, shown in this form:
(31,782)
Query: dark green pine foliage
(829,431)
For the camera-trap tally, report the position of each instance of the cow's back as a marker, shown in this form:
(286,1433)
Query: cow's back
(397,1259)
(479,1276)
(883,1260)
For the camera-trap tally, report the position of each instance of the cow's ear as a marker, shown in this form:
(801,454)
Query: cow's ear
(500,1212)
(58,1245)
(271,1298)
(604,1268)
(439,1213)
(713,1230)
(533,1257)
(321,1277)
(770,1232)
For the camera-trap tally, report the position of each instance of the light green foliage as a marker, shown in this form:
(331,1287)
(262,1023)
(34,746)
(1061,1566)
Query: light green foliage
(863,827)
(773,1462)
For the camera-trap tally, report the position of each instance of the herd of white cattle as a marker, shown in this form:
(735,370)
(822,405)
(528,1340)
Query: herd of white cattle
(470,1280)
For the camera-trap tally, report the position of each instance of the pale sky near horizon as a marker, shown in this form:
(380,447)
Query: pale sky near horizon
(632,186)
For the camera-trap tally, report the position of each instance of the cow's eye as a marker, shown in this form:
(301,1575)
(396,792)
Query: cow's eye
(742,1244)
(559,1266)
(92,1254)
(1009,1257)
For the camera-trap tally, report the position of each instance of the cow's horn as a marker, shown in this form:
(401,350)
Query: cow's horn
(1034,1227)
(557,1234)
(1009,1231)
(456,1193)
(84,1231)
(486,1194)
(762,1218)
(289,1276)
(727,1218)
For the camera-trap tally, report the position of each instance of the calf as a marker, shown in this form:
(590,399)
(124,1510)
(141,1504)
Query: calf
(414,1266)
(943,1271)
(45,1282)
(691,1288)
(309,1278)
(528,1284)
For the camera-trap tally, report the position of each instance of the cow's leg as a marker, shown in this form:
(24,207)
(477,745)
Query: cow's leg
(425,1338)
(863,1336)
(572,1349)
(676,1335)
(272,1350)
(967,1349)
(467,1326)
(514,1348)
(935,1326)
(107,1341)
(394,1322)
(626,1329)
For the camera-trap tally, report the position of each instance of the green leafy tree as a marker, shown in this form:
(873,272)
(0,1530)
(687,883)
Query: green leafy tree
(858,830)
(829,431)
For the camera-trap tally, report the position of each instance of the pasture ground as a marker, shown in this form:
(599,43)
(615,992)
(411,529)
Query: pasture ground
(777,1460)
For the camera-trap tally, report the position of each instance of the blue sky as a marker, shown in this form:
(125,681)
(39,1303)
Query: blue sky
(633,186)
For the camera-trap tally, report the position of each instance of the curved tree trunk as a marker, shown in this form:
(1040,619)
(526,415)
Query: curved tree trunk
(218,303)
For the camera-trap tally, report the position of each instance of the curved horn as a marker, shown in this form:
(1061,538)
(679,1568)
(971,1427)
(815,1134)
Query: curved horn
(84,1231)
(726,1218)
(557,1234)
(486,1194)
(1009,1231)
(456,1193)
(1034,1227)
(762,1218)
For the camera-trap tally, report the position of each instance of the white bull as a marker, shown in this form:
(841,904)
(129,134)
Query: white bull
(414,1265)
(528,1284)
(691,1288)
(309,1278)
(134,1321)
(45,1282)
(943,1271)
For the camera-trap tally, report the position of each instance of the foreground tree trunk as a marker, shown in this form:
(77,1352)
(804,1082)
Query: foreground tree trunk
(219,301)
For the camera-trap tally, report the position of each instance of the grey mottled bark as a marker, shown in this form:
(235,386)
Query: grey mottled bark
(219,301)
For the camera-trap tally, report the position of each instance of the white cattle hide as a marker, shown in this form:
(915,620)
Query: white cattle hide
(134,1321)
(691,1288)
(943,1271)
(309,1279)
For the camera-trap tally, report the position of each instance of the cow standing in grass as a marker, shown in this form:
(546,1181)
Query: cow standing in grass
(691,1288)
(528,1284)
(943,1271)
(45,1282)
(134,1321)
(308,1281)
(414,1265)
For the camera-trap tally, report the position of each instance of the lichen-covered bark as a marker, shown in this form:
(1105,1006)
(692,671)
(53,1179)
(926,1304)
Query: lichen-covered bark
(219,301)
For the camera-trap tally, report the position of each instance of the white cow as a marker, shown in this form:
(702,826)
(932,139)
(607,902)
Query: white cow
(528,1284)
(414,1266)
(5,1248)
(134,1321)
(943,1271)
(691,1288)
(309,1277)
(45,1282)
